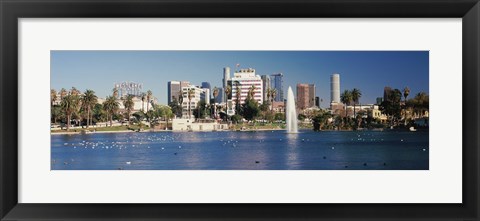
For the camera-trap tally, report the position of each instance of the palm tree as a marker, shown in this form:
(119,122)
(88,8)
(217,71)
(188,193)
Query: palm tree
(406,92)
(149,96)
(111,106)
(251,92)
(238,94)
(128,105)
(143,97)
(228,92)
(89,100)
(115,92)
(63,93)
(191,94)
(273,94)
(421,103)
(74,91)
(356,94)
(215,94)
(69,105)
(53,97)
(346,98)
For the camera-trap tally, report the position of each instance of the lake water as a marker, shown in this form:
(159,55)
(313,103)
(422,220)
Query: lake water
(233,150)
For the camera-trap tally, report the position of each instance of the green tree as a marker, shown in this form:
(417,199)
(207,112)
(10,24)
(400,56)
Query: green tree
(176,107)
(228,93)
(56,113)
(250,109)
(151,115)
(420,103)
(356,95)
(391,106)
(149,97)
(70,104)
(238,93)
(215,94)
(143,97)
(128,105)
(346,98)
(115,92)
(406,92)
(89,99)
(236,118)
(111,107)
(99,114)
(202,109)
(139,116)
(320,120)
(271,94)
(190,94)
(164,111)
(53,97)
(280,116)
(301,117)
(74,91)
(63,93)
(264,107)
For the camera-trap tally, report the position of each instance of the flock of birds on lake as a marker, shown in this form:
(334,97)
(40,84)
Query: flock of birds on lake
(173,142)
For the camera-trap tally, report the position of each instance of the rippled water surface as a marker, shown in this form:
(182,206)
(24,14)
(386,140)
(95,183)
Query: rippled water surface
(264,150)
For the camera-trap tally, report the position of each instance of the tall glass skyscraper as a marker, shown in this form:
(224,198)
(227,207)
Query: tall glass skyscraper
(173,90)
(277,84)
(207,85)
(266,85)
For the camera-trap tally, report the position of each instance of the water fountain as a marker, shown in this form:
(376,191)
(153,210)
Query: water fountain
(291,112)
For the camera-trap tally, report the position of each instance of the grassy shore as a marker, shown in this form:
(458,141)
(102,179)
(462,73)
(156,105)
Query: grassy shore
(113,129)
(136,128)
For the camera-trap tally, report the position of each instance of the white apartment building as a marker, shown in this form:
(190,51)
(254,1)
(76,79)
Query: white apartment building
(198,95)
(245,78)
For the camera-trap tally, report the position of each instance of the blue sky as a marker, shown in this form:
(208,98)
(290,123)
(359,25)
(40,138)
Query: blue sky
(369,71)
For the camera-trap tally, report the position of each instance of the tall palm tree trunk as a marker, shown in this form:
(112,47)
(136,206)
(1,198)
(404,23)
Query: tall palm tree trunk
(108,117)
(88,117)
(91,118)
(189,109)
(68,121)
(354,110)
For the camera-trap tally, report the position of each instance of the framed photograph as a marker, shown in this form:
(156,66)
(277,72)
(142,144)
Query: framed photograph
(319,110)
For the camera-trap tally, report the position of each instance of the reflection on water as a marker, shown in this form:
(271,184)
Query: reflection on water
(263,150)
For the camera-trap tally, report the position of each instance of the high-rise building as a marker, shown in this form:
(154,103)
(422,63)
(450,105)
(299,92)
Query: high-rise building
(173,91)
(174,88)
(266,85)
(317,101)
(305,96)
(277,84)
(386,93)
(220,97)
(243,80)
(226,78)
(206,85)
(197,95)
(205,95)
(335,88)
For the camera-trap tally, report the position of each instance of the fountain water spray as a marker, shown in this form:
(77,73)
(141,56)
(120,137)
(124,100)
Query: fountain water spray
(291,113)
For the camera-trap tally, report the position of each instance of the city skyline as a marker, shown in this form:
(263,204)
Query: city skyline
(370,71)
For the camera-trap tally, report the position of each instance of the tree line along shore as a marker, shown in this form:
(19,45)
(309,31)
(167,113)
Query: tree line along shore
(73,112)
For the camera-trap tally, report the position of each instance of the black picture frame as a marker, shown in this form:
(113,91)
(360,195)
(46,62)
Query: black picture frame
(12,10)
